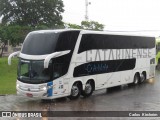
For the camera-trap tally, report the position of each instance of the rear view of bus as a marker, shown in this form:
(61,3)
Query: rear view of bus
(43,62)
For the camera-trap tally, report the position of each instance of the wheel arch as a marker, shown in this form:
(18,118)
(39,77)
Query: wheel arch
(76,81)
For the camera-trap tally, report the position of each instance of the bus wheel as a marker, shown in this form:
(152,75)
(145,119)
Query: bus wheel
(143,77)
(89,87)
(136,79)
(75,91)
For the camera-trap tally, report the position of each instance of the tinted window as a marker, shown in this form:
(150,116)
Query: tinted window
(57,70)
(100,41)
(47,43)
(67,40)
(40,43)
(100,67)
(61,65)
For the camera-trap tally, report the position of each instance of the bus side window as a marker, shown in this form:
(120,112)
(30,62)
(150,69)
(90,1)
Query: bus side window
(57,70)
(46,71)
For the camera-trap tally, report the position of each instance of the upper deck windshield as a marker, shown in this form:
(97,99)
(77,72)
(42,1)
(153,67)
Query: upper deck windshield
(41,43)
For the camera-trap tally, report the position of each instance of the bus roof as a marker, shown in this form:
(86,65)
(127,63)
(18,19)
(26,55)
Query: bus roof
(54,31)
(116,33)
(93,32)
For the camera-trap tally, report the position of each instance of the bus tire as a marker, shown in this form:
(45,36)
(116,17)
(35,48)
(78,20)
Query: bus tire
(75,91)
(143,77)
(89,87)
(136,79)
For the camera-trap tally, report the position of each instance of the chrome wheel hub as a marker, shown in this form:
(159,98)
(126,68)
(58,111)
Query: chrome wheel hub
(136,80)
(88,88)
(142,78)
(75,91)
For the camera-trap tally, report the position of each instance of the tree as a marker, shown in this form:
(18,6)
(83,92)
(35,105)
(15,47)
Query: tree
(87,25)
(3,39)
(32,12)
(69,25)
(92,25)
(15,34)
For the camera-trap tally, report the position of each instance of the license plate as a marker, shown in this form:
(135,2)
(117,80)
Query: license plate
(29,94)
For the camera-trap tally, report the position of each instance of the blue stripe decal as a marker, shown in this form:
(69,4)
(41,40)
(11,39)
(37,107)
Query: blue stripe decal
(50,91)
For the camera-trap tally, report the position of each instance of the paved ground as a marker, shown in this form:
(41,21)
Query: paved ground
(144,97)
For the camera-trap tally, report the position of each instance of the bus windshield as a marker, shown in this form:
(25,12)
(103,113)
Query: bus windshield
(34,43)
(33,71)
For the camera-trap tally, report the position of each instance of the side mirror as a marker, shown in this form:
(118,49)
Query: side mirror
(12,55)
(54,55)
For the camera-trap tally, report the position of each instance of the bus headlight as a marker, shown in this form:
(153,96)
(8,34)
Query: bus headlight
(17,86)
(43,88)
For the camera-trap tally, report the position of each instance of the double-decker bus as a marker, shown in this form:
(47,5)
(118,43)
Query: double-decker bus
(59,63)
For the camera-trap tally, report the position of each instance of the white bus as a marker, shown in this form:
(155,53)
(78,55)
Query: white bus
(59,63)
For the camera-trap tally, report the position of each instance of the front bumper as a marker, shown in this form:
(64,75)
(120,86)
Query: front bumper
(32,90)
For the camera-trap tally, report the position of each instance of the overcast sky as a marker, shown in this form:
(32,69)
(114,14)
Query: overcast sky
(116,14)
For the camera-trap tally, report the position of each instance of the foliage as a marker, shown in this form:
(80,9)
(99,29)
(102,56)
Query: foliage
(92,25)
(3,39)
(69,25)
(87,25)
(15,34)
(32,12)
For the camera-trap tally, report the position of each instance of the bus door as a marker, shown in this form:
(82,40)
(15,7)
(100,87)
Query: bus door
(61,84)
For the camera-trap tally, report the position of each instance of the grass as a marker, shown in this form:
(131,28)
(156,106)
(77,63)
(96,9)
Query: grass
(8,76)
